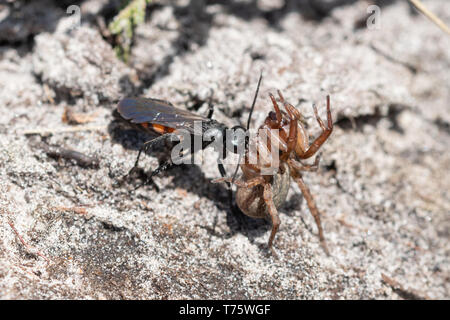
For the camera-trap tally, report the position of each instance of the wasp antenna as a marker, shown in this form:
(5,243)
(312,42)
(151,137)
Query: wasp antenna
(254,101)
(248,126)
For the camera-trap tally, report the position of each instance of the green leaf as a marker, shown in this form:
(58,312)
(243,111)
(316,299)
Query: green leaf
(125,23)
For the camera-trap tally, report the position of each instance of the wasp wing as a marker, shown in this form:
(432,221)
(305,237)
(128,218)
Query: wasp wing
(146,110)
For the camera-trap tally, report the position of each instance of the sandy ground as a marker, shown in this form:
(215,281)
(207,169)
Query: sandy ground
(72,230)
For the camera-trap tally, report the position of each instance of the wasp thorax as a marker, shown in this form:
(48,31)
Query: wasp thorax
(235,140)
(213,134)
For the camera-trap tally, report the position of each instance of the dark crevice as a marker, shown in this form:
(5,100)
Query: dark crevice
(331,167)
(111,227)
(357,123)
(442,125)
(26,44)
(26,19)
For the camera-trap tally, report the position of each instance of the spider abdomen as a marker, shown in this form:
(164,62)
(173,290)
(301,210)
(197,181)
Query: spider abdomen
(251,200)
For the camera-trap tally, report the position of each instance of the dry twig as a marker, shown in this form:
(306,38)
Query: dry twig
(430,15)
(25,244)
(45,131)
(407,294)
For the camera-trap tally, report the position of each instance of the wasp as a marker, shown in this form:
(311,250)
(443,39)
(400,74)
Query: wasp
(162,118)
(259,194)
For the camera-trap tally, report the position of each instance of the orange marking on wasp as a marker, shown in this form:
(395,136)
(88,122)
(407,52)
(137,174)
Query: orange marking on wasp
(160,128)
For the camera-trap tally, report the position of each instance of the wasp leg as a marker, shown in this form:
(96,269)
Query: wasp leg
(145,147)
(148,145)
(223,173)
(210,106)
(166,165)
(210,111)
(312,207)
(268,199)
(305,167)
(326,131)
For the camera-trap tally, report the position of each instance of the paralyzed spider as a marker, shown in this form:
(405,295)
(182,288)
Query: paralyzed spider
(260,194)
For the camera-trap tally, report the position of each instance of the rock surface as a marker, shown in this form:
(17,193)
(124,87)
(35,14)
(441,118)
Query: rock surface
(71,231)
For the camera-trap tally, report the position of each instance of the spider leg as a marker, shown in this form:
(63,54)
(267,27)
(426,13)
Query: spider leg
(297,165)
(293,129)
(294,116)
(241,183)
(268,199)
(312,208)
(281,96)
(326,131)
(277,109)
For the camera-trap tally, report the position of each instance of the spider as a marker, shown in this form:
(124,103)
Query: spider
(260,194)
